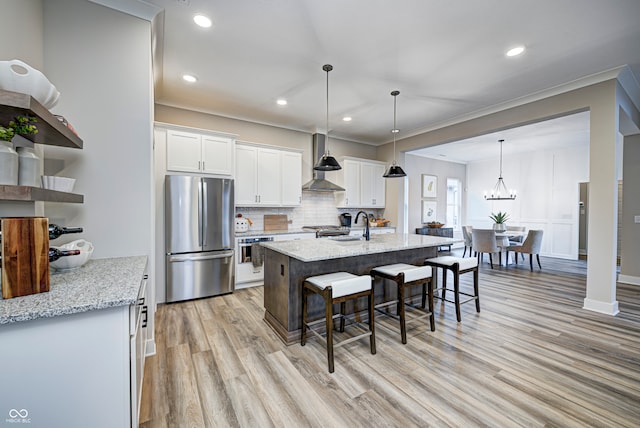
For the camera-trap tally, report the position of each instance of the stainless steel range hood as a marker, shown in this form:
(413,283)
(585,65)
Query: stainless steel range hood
(319,184)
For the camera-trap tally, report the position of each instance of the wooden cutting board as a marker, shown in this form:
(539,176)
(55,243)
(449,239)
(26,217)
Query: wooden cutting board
(25,256)
(275,222)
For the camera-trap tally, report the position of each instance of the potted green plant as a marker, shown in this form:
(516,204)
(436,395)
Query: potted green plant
(499,221)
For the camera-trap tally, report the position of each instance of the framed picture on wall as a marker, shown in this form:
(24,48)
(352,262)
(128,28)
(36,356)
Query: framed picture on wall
(429,186)
(428,211)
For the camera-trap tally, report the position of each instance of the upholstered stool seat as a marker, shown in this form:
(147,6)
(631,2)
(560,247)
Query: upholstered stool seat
(406,276)
(335,288)
(458,266)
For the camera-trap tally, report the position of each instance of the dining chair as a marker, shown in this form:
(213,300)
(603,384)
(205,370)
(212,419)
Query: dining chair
(484,241)
(515,240)
(531,246)
(468,241)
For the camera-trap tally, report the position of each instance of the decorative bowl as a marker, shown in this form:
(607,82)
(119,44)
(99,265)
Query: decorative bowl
(435,225)
(61,184)
(73,262)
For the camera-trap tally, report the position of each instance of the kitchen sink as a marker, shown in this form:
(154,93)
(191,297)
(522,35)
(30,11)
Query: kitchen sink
(347,238)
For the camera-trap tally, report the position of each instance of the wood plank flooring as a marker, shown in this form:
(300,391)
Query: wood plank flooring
(533,357)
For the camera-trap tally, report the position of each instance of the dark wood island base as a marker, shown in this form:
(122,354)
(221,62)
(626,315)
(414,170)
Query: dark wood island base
(284,275)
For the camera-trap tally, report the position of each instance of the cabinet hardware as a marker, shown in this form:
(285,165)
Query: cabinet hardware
(145,312)
(146,276)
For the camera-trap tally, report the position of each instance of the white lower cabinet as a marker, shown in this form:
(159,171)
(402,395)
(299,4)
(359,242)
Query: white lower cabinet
(363,182)
(267,176)
(75,371)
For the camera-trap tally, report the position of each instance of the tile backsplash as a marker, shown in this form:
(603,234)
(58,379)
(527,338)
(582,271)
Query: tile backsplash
(318,208)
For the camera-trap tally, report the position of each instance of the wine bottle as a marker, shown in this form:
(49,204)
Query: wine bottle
(55,253)
(56,231)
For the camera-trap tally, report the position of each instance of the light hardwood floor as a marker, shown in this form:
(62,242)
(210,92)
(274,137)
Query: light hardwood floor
(531,358)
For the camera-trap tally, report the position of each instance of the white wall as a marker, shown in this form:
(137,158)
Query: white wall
(415,166)
(547,183)
(100,61)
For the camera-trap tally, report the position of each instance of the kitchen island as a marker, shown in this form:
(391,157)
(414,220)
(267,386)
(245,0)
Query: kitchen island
(288,263)
(74,356)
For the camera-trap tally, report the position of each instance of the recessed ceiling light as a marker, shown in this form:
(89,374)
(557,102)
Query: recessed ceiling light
(202,21)
(281,102)
(189,78)
(347,118)
(515,51)
(395,131)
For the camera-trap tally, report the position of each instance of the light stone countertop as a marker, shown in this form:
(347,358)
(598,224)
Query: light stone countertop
(99,284)
(310,250)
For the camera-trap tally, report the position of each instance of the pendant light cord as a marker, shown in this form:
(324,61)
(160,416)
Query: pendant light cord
(394,131)
(501,158)
(327,68)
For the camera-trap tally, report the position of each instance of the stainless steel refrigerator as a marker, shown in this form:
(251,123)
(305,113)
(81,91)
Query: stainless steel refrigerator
(199,237)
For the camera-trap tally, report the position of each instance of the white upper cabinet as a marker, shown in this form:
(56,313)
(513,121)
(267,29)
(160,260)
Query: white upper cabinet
(267,176)
(292,178)
(372,185)
(363,182)
(199,152)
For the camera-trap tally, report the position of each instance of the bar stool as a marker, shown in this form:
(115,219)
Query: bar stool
(335,288)
(406,276)
(458,266)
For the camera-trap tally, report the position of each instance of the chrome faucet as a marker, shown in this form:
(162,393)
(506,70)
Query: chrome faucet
(366,220)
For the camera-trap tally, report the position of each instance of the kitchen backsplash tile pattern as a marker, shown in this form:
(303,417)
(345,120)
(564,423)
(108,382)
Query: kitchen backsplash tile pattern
(318,208)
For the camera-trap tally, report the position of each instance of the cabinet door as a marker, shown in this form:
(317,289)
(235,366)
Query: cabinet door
(351,183)
(246,176)
(269,177)
(217,155)
(183,151)
(379,185)
(372,185)
(291,177)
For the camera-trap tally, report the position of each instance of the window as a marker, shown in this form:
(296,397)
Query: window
(454,203)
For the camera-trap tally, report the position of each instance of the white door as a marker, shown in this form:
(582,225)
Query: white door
(291,178)
(217,155)
(269,181)
(246,176)
(351,183)
(183,151)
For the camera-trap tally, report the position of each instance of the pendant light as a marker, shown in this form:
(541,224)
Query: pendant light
(327,162)
(394,170)
(499,191)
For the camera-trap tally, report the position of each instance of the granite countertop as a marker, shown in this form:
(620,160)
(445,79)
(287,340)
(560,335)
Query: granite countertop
(99,284)
(270,232)
(326,248)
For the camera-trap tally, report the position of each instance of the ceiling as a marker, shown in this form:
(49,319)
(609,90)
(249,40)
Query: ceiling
(446,58)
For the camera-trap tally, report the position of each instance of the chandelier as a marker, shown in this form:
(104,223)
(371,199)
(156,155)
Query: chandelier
(499,191)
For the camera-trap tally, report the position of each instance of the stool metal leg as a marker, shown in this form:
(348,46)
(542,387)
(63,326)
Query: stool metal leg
(432,317)
(343,310)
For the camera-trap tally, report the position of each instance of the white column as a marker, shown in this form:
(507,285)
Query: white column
(603,207)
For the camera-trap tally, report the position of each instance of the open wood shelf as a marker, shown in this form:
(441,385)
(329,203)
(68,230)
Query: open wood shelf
(27,193)
(50,130)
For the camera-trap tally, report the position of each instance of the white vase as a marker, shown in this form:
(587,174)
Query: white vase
(8,164)
(28,167)
(499,227)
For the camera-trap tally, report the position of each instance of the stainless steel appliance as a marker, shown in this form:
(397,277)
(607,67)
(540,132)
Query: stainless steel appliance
(345,219)
(328,230)
(199,237)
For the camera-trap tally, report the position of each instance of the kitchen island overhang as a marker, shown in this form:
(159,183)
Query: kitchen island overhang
(288,263)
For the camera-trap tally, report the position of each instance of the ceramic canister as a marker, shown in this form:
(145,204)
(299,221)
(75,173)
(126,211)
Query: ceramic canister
(28,167)
(8,164)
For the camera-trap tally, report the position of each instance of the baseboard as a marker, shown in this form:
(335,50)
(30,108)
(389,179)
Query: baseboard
(601,307)
(150,348)
(628,279)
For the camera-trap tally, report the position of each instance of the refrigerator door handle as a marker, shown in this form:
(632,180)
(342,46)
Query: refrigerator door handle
(205,214)
(201,203)
(198,257)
